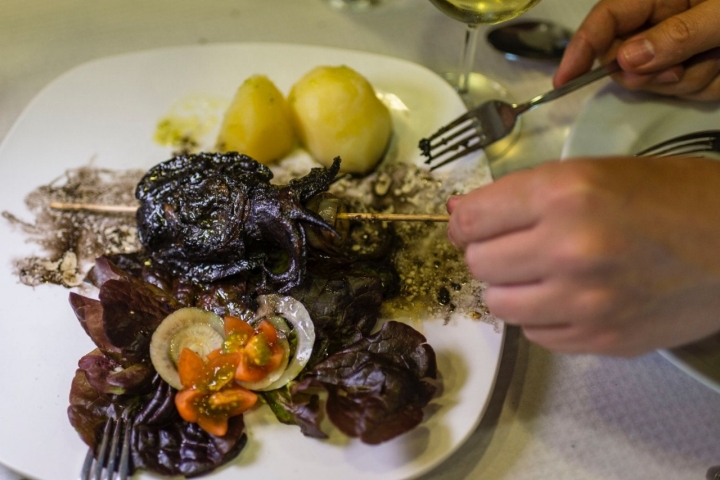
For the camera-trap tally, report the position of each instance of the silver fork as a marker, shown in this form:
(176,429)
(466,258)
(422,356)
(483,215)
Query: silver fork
(696,142)
(493,120)
(114,452)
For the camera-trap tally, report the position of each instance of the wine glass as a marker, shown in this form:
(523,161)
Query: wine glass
(475,88)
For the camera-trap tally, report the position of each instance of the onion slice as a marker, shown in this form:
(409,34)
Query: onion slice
(296,315)
(193,328)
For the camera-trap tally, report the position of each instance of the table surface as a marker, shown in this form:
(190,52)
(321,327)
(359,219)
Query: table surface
(551,415)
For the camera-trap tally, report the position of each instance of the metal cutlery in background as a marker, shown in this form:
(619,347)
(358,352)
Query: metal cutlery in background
(492,121)
(689,143)
(540,40)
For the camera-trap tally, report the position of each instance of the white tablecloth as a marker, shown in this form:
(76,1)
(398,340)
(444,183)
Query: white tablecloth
(551,416)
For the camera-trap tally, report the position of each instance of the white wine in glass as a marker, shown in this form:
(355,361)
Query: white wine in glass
(472,87)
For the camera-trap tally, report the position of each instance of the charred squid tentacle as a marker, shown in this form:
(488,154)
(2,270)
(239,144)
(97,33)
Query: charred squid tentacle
(317,181)
(294,246)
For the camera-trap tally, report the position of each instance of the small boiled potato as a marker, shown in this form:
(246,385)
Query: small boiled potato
(337,113)
(258,122)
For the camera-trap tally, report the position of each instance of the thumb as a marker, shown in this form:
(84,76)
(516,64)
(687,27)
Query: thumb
(673,40)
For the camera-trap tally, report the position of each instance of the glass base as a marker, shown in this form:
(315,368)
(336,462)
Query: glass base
(482,89)
(354,5)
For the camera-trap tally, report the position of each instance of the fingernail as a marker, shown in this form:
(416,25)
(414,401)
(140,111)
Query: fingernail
(452,201)
(638,52)
(666,77)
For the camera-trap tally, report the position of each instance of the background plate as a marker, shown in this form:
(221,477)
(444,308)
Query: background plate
(105,112)
(618,122)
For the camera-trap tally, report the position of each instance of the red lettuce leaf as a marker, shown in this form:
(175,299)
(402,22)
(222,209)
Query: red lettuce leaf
(344,306)
(163,443)
(302,409)
(89,409)
(131,313)
(90,314)
(377,387)
(128,311)
(107,376)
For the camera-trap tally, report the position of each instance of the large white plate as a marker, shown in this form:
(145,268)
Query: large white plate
(106,111)
(617,122)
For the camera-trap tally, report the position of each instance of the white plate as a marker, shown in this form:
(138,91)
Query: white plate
(617,122)
(106,111)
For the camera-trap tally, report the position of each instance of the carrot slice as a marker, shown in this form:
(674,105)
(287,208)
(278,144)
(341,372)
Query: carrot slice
(247,371)
(234,401)
(220,371)
(186,404)
(214,425)
(236,325)
(191,368)
(214,354)
(267,329)
(276,359)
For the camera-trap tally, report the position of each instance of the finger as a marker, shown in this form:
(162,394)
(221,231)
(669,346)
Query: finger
(571,339)
(696,79)
(711,92)
(665,80)
(558,338)
(551,302)
(690,81)
(518,304)
(578,58)
(673,40)
(606,22)
(452,202)
(514,258)
(495,209)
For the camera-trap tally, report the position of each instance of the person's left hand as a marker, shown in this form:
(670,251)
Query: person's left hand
(668,47)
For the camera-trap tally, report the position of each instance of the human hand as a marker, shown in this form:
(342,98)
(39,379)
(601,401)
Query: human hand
(616,256)
(669,47)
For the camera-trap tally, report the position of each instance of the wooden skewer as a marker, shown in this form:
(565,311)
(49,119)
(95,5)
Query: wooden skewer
(374,217)
(393,217)
(93,207)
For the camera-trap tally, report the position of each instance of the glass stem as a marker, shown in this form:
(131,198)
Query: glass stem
(468,57)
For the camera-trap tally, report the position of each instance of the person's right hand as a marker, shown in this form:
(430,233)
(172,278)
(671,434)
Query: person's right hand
(668,47)
(614,256)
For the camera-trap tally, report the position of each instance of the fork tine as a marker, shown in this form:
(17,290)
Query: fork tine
(462,142)
(110,449)
(461,153)
(125,452)
(469,115)
(96,472)
(427,145)
(87,465)
(705,138)
(445,140)
(112,460)
(681,149)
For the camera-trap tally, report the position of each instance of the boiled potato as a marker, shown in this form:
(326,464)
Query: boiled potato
(337,113)
(258,122)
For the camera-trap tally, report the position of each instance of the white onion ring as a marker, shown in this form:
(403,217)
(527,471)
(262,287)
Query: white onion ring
(296,315)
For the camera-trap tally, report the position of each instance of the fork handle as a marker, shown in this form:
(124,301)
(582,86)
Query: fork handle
(571,86)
